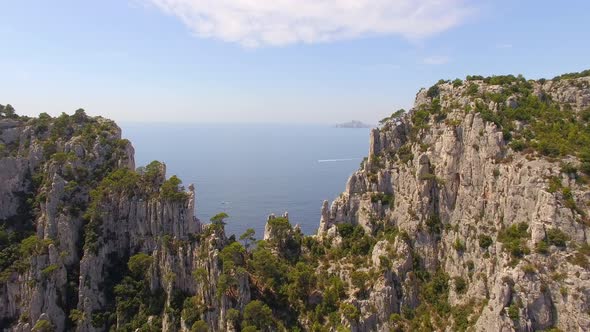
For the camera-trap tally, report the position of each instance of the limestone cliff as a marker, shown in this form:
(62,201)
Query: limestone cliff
(470,213)
(74,211)
(485,198)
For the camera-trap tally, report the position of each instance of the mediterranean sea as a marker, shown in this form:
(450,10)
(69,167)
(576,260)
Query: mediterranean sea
(252,170)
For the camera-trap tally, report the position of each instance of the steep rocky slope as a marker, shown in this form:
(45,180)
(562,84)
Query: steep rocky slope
(75,212)
(487,179)
(470,213)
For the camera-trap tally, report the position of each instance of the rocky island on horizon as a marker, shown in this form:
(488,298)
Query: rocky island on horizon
(471,212)
(353,124)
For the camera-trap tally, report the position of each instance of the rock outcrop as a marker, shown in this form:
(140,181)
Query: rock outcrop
(75,211)
(450,179)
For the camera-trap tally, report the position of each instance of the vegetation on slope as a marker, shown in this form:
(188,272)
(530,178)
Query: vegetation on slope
(531,122)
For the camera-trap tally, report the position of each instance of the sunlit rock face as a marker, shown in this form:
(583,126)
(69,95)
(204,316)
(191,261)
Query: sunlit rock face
(449,178)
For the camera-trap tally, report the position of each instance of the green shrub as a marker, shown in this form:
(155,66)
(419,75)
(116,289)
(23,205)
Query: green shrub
(192,309)
(354,240)
(268,269)
(513,312)
(360,280)
(461,315)
(569,199)
(233,315)
(583,73)
(433,91)
(80,116)
(170,189)
(472,89)
(232,256)
(557,238)
(219,219)
(474,78)
(496,172)
(459,245)
(302,281)
(432,177)
(503,79)
(139,264)
(350,312)
(542,247)
(435,292)
(385,199)
(8,112)
(518,145)
(404,153)
(76,316)
(420,118)
(568,168)
(33,246)
(248,237)
(43,325)
(395,318)
(554,184)
(529,269)
(514,239)
(485,241)
(579,259)
(200,326)
(434,224)
(398,113)
(49,148)
(460,285)
(48,270)
(71,186)
(259,315)
(200,275)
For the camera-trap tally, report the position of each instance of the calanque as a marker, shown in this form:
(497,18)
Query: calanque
(470,213)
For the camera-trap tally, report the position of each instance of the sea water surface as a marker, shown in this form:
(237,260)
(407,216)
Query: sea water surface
(252,170)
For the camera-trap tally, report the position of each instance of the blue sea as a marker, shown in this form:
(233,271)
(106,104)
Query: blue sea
(250,171)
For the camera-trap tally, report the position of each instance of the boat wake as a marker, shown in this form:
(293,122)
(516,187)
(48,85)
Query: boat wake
(336,160)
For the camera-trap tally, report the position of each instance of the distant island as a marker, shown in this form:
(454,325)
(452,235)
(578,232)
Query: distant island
(353,124)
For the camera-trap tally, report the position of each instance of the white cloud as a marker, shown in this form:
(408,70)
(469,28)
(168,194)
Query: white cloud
(436,60)
(282,22)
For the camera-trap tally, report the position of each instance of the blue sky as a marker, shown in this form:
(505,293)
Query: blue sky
(199,61)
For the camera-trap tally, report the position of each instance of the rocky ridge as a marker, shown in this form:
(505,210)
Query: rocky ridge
(473,204)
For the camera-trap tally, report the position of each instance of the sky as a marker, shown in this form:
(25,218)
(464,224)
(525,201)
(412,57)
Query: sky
(282,61)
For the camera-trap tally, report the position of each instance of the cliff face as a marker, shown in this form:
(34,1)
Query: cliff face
(47,168)
(74,211)
(507,225)
(470,213)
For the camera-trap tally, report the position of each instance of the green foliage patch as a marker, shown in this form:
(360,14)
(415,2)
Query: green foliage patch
(514,239)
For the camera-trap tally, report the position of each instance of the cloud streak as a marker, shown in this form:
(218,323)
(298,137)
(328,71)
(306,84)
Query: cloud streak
(436,60)
(505,45)
(255,23)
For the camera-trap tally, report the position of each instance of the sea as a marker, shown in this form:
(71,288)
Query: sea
(250,171)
